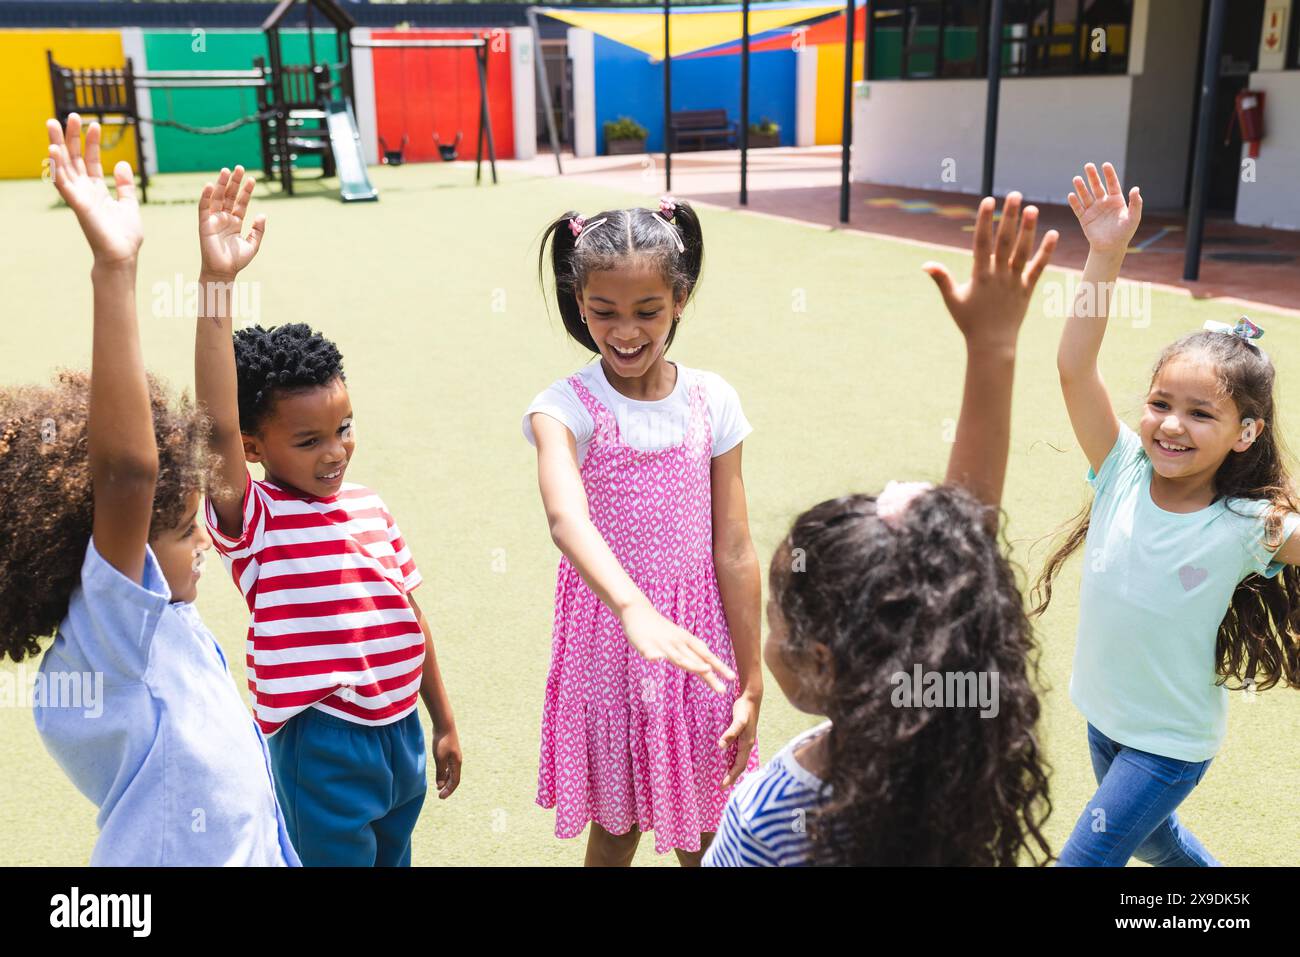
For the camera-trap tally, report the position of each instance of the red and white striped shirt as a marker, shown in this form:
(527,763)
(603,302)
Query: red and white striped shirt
(326,582)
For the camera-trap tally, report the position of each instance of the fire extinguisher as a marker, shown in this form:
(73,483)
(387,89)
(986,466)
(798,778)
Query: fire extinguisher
(1249,117)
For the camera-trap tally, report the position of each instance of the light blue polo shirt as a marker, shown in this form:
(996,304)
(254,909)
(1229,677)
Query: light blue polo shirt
(1156,585)
(135,702)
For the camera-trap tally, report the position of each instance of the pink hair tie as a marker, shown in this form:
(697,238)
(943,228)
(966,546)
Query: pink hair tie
(575,225)
(893,502)
(667,207)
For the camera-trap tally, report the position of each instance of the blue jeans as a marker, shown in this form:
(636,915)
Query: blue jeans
(350,794)
(1132,813)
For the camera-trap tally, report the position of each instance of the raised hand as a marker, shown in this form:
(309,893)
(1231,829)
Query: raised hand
(990,306)
(222,208)
(1108,222)
(112,226)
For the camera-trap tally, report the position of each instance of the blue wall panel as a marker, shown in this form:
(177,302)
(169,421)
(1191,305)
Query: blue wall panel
(628,84)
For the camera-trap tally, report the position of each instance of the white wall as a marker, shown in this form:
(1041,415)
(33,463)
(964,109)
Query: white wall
(805,97)
(1274,198)
(363,88)
(523,89)
(133,47)
(929,134)
(904,130)
(582,51)
(1163,105)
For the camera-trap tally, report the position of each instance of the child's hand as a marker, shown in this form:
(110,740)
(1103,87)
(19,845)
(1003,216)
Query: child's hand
(990,307)
(221,221)
(656,638)
(446,762)
(112,226)
(1108,223)
(743,730)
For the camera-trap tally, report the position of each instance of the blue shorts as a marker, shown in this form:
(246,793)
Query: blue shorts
(350,793)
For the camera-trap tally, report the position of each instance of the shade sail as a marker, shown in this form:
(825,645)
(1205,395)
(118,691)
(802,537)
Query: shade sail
(692,28)
(827,31)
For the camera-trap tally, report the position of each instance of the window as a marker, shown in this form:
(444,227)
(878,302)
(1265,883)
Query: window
(1056,37)
(928,38)
(922,39)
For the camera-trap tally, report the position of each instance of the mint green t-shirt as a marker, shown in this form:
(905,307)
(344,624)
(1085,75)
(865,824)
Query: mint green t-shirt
(1156,585)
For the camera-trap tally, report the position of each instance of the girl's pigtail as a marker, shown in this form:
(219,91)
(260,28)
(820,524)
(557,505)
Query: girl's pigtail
(563,242)
(692,257)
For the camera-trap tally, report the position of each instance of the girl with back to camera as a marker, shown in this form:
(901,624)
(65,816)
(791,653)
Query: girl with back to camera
(652,699)
(867,592)
(1188,538)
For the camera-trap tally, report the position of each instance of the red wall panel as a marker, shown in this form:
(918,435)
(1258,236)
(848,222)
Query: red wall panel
(422,90)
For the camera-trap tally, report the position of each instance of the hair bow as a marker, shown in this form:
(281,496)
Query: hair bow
(1244,329)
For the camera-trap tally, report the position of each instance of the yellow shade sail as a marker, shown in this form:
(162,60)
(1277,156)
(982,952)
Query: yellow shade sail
(690,30)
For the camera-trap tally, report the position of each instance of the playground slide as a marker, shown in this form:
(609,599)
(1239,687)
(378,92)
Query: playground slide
(354,183)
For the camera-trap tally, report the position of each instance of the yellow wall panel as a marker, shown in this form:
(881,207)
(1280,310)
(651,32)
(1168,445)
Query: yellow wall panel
(26,79)
(830,90)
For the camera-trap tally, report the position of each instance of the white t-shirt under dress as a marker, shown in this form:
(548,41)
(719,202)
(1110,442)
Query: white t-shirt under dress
(648,426)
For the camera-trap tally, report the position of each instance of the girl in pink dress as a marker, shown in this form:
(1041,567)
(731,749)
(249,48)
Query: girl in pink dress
(652,699)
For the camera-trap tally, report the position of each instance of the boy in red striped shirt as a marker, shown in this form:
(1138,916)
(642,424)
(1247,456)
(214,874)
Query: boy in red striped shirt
(338,650)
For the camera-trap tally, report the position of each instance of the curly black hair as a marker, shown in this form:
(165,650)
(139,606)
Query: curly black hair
(276,360)
(612,238)
(916,785)
(47,501)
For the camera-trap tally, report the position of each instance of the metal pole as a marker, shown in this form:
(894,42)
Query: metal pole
(545,86)
(846,133)
(991,109)
(1201,162)
(744,104)
(485,115)
(668,102)
(311,37)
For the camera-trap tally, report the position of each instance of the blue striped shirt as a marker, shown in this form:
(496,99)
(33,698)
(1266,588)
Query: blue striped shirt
(765,821)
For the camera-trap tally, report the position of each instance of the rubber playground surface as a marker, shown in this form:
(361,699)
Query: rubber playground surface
(843,356)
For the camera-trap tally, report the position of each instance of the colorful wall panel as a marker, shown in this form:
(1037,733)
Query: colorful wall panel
(421,91)
(830,91)
(28,101)
(628,83)
(181,151)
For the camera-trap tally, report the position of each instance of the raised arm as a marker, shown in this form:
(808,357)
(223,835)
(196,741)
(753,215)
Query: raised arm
(565,500)
(121,446)
(989,309)
(225,252)
(1109,224)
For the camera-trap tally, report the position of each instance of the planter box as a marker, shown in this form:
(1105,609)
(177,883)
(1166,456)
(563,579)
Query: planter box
(619,147)
(762,140)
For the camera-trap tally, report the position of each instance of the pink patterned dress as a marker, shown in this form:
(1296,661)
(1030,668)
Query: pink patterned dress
(627,742)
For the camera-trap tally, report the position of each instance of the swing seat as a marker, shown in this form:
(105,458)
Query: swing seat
(448,150)
(393,157)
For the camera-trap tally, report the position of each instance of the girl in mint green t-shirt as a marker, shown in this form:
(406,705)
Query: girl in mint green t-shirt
(1186,586)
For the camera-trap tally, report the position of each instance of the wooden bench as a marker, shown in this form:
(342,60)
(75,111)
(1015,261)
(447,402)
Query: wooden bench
(701,127)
